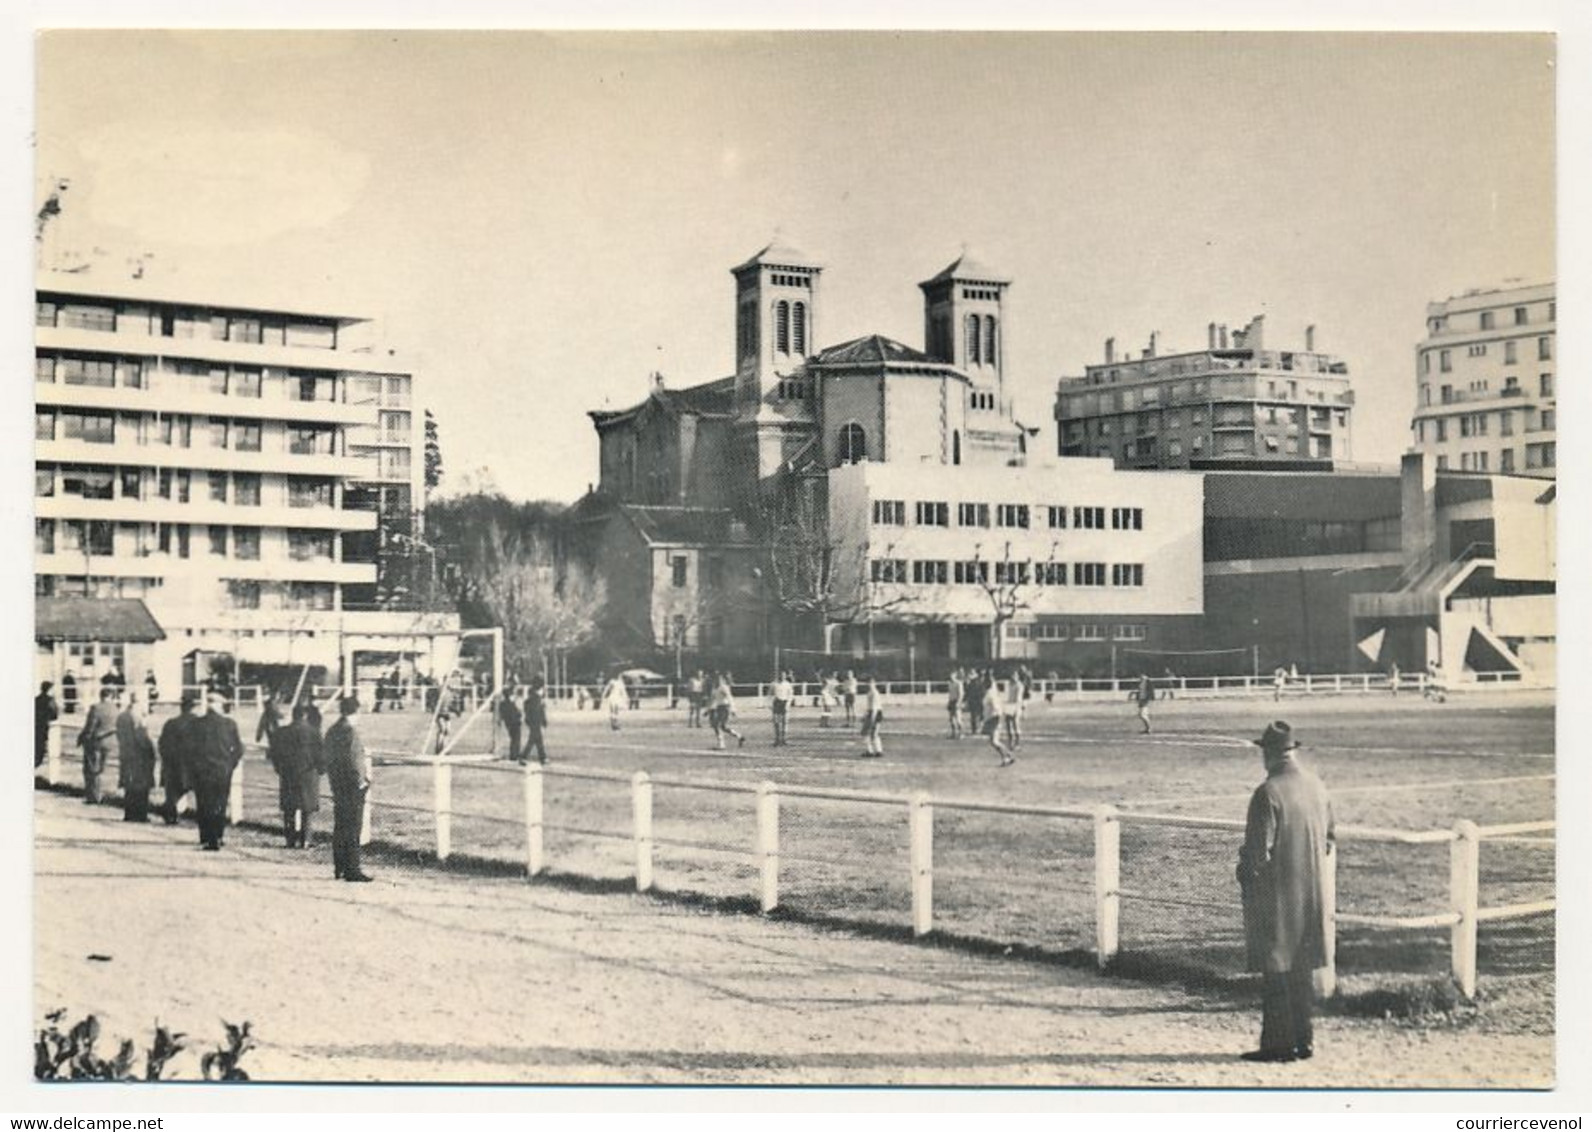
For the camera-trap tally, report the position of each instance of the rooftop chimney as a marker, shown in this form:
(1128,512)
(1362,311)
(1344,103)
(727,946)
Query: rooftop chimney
(1210,336)
(657,381)
(1222,332)
(1150,352)
(1111,350)
(1255,332)
(1310,338)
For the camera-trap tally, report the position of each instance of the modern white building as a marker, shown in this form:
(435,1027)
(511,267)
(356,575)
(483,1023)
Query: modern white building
(1056,558)
(1485,397)
(231,462)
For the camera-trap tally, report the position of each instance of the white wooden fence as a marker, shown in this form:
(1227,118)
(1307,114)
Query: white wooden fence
(1462,916)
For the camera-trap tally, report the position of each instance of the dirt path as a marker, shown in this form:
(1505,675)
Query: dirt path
(430,977)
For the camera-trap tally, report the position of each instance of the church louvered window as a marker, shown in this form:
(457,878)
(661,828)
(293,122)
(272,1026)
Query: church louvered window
(989,339)
(782,327)
(972,336)
(799,328)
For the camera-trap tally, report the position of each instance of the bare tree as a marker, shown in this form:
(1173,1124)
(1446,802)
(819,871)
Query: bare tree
(545,602)
(809,576)
(1010,585)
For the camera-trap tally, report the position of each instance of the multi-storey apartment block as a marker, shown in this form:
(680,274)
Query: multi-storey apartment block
(1234,404)
(230,464)
(1485,382)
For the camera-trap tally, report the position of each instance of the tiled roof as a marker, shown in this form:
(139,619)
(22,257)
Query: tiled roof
(967,269)
(685,526)
(94,619)
(780,254)
(876,350)
(710,399)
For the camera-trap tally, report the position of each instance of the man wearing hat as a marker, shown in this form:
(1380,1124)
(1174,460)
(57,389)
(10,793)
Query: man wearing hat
(348,771)
(214,749)
(98,740)
(1282,870)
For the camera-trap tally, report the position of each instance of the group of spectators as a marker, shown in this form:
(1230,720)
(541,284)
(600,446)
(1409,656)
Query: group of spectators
(197,752)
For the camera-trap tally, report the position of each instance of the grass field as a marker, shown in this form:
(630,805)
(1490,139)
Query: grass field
(1027,882)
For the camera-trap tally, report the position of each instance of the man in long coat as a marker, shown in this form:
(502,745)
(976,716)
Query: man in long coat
(44,714)
(176,739)
(348,772)
(512,716)
(1281,871)
(535,714)
(296,754)
(98,740)
(136,775)
(213,753)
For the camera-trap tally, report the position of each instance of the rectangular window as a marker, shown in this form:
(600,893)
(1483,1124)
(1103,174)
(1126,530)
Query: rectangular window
(1088,573)
(1511,354)
(246,436)
(218,432)
(309,441)
(44,536)
(1129,633)
(310,595)
(176,431)
(1089,518)
(246,543)
(1011,573)
(1544,349)
(1050,573)
(1545,385)
(243,594)
(931,514)
(890,512)
(245,489)
(44,370)
(1549,420)
(931,573)
(218,486)
(973,573)
(1442,428)
(1089,632)
(1012,515)
(81,317)
(1445,362)
(888,569)
(1481,461)
(306,546)
(306,492)
(1506,423)
(87,483)
(679,564)
(97,372)
(1127,518)
(972,514)
(1127,574)
(1520,316)
(1486,320)
(44,482)
(1057,517)
(1506,460)
(243,330)
(43,424)
(44,314)
(246,383)
(218,541)
(132,483)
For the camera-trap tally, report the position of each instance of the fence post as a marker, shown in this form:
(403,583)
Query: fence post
(52,755)
(1327,981)
(1365,682)
(235,794)
(768,846)
(1464,884)
(641,811)
(534,863)
(1108,882)
(920,833)
(1337,682)
(442,805)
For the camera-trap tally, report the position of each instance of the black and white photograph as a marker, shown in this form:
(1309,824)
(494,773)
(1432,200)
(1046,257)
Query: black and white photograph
(789,558)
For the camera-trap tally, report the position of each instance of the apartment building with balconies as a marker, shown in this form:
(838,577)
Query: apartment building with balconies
(231,463)
(1236,404)
(1484,382)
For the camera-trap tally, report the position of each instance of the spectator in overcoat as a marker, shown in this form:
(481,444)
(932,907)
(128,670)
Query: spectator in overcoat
(176,739)
(348,770)
(296,755)
(214,749)
(535,713)
(136,751)
(44,714)
(1281,872)
(98,741)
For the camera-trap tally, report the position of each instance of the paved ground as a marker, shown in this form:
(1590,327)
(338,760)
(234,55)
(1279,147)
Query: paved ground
(426,976)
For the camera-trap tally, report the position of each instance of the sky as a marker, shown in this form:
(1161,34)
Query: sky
(540,220)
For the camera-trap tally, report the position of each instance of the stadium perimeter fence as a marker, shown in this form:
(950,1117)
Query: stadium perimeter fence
(1115,882)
